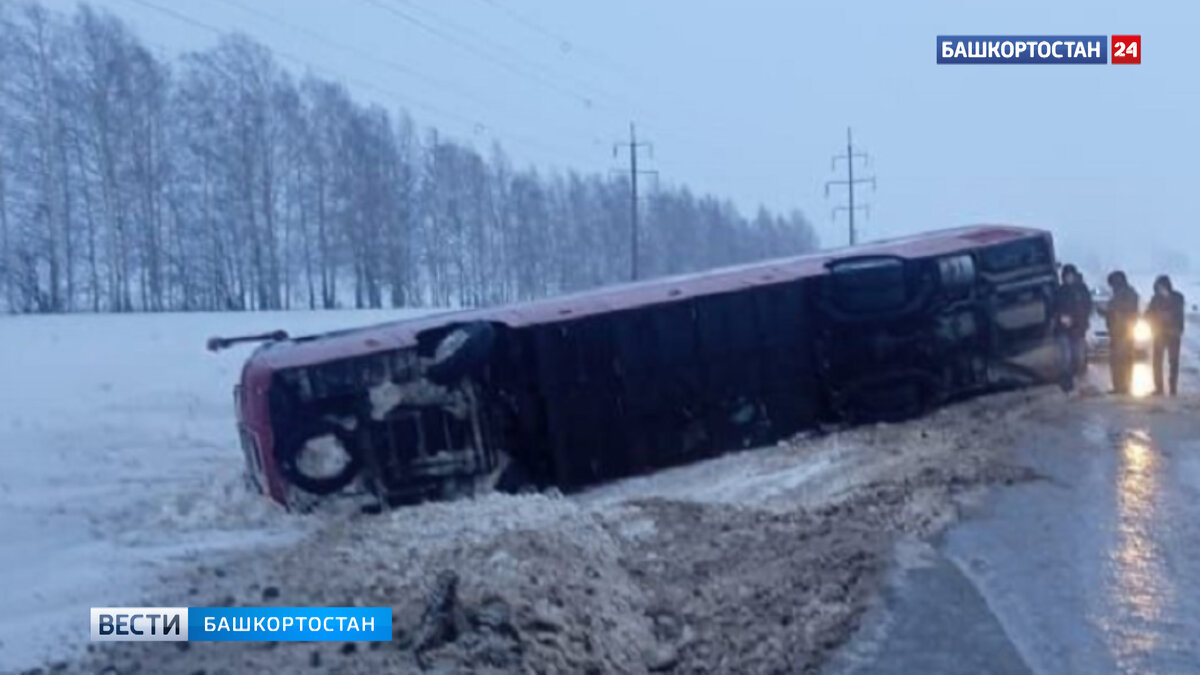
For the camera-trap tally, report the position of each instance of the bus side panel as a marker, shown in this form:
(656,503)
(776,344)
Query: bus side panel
(636,390)
(792,389)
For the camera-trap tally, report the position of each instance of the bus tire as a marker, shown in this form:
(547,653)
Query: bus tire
(293,444)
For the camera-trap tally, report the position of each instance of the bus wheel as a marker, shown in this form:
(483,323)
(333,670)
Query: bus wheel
(320,457)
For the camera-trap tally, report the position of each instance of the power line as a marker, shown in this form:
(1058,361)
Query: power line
(361,53)
(634,146)
(473,126)
(350,49)
(565,44)
(594,98)
(540,72)
(476,127)
(850,182)
(568,45)
(516,69)
(583,87)
(613,99)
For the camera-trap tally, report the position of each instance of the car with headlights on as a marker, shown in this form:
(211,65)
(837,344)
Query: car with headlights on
(1098,339)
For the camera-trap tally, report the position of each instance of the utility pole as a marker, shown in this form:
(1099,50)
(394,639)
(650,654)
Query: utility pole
(850,183)
(633,147)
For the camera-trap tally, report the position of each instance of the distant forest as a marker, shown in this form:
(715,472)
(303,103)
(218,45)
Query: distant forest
(220,181)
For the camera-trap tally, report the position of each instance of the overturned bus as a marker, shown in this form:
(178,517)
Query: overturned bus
(583,388)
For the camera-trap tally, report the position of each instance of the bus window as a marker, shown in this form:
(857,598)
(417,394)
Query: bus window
(1032,252)
(868,285)
(956,271)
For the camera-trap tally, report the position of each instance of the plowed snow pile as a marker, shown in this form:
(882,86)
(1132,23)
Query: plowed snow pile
(758,562)
(119,459)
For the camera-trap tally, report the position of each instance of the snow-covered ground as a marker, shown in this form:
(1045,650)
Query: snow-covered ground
(120,485)
(118,457)
(761,561)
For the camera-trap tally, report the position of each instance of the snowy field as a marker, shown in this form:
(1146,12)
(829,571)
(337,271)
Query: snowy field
(119,457)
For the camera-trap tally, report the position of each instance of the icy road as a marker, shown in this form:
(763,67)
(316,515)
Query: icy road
(1092,568)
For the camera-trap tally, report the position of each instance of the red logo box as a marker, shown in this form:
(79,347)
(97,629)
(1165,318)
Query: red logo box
(1126,49)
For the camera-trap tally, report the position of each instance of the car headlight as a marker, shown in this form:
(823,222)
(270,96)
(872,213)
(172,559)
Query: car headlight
(1142,331)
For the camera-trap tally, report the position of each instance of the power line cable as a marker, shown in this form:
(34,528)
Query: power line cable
(389,63)
(350,49)
(475,126)
(595,97)
(610,99)
(564,43)
(296,59)
(582,98)
(590,90)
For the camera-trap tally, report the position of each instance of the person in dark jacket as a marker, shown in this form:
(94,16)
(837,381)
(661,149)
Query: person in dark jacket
(1165,315)
(1073,309)
(1121,314)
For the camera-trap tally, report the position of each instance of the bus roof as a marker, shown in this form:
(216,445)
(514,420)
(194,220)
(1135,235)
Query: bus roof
(402,333)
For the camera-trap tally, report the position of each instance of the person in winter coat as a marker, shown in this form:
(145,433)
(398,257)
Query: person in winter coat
(1121,314)
(1165,315)
(1073,310)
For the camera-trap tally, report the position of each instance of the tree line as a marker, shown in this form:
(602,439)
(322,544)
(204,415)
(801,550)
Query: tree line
(220,181)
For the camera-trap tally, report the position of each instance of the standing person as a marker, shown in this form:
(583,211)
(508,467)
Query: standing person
(1073,306)
(1121,315)
(1165,314)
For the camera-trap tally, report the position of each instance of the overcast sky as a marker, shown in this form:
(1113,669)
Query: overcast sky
(750,99)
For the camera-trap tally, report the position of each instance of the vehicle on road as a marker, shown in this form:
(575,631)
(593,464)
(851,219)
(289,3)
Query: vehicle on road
(1098,339)
(573,390)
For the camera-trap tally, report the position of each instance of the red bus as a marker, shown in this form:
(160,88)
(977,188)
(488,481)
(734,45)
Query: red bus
(582,388)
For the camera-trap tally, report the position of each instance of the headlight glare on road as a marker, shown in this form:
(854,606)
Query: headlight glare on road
(1142,331)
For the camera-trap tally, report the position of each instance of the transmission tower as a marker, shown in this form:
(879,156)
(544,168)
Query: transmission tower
(850,182)
(633,145)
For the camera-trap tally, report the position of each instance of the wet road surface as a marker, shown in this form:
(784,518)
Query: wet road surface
(1093,569)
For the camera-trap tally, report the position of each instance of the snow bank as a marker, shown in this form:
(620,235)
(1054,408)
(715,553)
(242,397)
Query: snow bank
(761,561)
(119,457)
(815,470)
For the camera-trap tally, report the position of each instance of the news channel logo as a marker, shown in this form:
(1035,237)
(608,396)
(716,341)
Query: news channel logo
(241,624)
(1039,49)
